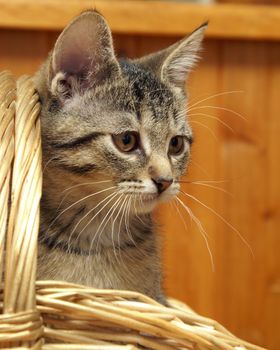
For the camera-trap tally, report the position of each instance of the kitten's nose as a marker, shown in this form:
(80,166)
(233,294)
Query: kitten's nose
(162,183)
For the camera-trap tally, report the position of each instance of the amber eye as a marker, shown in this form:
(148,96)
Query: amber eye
(127,141)
(176,145)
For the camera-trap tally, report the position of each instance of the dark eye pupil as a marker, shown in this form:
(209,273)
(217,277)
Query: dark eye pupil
(174,142)
(126,139)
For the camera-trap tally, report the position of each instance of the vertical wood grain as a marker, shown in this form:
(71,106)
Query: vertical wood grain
(271,214)
(22,51)
(252,2)
(251,68)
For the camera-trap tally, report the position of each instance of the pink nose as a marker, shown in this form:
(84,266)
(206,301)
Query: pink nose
(162,184)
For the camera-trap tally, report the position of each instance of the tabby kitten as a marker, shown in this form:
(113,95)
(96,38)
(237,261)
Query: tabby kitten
(115,143)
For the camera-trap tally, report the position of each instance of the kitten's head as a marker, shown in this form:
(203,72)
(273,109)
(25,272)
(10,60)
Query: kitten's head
(121,121)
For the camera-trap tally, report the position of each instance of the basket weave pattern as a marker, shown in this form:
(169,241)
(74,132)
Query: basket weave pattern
(54,315)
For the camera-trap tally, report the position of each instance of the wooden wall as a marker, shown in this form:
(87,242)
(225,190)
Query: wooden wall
(237,150)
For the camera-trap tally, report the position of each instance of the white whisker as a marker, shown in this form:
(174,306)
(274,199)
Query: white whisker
(127,221)
(209,181)
(214,118)
(180,214)
(206,127)
(113,225)
(206,185)
(104,223)
(47,164)
(136,214)
(123,212)
(91,220)
(215,95)
(221,218)
(199,167)
(201,230)
(84,184)
(87,214)
(77,202)
(219,108)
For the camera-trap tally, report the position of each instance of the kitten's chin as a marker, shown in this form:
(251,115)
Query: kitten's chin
(147,204)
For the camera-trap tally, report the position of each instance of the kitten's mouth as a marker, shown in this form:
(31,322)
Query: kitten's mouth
(141,203)
(145,197)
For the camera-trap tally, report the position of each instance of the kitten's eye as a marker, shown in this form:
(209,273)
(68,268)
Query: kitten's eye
(176,145)
(126,142)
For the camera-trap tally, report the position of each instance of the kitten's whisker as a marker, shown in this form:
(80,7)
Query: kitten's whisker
(136,214)
(193,217)
(180,214)
(84,184)
(61,202)
(124,205)
(200,228)
(214,118)
(206,127)
(47,164)
(123,212)
(199,167)
(219,108)
(207,185)
(142,251)
(128,229)
(205,181)
(182,114)
(108,216)
(125,215)
(142,203)
(113,225)
(99,211)
(95,234)
(215,95)
(127,220)
(87,214)
(67,189)
(77,202)
(221,218)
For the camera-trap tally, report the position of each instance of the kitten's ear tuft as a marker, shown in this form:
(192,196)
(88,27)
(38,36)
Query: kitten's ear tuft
(183,58)
(173,64)
(83,55)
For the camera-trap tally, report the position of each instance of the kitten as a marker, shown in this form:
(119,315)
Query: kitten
(115,143)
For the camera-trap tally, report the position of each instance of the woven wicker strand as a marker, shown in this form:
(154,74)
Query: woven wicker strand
(52,315)
(7,111)
(21,323)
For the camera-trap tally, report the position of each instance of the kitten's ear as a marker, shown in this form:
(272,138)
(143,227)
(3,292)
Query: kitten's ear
(83,55)
(173,64)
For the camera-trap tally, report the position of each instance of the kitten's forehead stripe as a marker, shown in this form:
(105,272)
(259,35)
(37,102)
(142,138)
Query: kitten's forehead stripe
(147,90)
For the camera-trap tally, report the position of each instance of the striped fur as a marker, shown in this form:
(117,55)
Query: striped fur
(96,226)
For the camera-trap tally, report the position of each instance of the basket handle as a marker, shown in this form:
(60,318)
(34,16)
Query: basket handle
(20,126)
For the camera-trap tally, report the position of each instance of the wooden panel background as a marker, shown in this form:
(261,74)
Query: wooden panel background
(243,292)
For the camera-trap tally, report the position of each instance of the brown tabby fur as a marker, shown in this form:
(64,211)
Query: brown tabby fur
(96,226)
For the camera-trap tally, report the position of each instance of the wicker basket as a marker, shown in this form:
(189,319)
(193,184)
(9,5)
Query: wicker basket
(57,315)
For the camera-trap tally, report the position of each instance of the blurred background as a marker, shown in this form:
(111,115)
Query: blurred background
(233,184)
